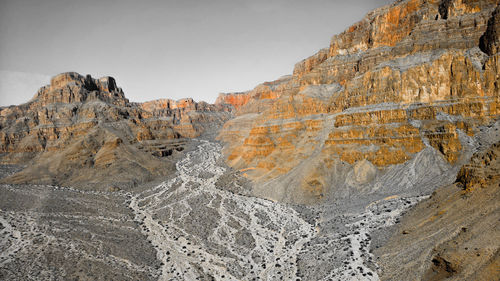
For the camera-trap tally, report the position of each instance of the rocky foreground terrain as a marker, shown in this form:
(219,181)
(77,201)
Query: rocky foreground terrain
(376,159)
(455,234)
(200,224)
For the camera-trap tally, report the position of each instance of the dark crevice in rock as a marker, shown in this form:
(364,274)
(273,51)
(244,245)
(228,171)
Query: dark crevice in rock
(443,8)
(90,84)
(489,41)
(441,269)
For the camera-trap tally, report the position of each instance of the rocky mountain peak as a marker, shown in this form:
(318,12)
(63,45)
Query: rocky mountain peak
(72,87)
(87,125)
(68,79)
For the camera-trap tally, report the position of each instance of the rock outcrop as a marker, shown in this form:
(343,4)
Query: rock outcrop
(256,99)
(453,235)
(82,131)
(412,80)
(188,117)
(236,100)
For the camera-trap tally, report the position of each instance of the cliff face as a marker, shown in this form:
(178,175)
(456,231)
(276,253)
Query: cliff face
(188,117)
(236,100)
(410,78)
(257,99)
(83,131)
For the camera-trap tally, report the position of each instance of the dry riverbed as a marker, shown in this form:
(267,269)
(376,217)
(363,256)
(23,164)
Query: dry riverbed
(201,224)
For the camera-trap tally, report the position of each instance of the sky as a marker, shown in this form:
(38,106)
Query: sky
(165,49)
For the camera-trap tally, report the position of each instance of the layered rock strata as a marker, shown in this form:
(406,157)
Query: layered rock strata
(188,117)
(236,100)
(83,131)
(255,100)
(411,77)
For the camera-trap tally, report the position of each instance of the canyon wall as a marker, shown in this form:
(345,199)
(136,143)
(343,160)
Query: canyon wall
(82,131)
(410,83)
(188,117)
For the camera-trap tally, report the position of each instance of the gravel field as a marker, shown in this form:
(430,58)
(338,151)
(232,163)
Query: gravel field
(201,224)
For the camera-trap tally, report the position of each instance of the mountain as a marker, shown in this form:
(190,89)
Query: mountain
(454,235)
(81,131)
(394,104)
(405,102)
(378,157)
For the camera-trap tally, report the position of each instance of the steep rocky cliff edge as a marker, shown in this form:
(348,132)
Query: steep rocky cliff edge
(394,104)
(80,131)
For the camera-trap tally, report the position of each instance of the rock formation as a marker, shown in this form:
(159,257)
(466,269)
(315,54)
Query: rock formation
(82,131)
(402,104)
(412,81)
(189,118)
(454,234)
(256,99)
(236,100)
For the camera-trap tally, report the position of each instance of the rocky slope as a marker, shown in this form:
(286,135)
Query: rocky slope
(82,131)
(405,88)
(455,234)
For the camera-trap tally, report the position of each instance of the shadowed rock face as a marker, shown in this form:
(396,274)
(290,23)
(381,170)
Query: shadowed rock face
(489,42)
(410,78)
(82,131)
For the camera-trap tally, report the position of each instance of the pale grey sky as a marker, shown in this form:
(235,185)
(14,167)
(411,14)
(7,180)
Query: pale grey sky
(165,49)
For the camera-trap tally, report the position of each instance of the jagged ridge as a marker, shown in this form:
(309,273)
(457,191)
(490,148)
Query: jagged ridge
(83,131)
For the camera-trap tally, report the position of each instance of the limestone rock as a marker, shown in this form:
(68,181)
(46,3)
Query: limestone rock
(490,41)
(256,99)
(480,171)
(237,100)
(82,131)
(188,117)
(409,76)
